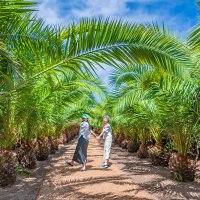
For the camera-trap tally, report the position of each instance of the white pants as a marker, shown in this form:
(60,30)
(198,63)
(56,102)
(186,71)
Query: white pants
(107,148)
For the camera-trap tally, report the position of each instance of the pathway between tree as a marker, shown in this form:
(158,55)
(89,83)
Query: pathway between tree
(127,178)
(69,183)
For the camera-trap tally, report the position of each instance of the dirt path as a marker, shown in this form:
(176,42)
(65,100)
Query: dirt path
(69,183)
(127,178)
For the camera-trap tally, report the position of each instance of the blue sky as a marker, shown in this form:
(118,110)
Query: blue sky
(179,15)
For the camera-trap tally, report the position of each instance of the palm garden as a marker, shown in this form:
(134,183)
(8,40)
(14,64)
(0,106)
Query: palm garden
(49,74)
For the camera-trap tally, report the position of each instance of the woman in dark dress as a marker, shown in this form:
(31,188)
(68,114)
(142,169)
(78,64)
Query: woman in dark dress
(80,154)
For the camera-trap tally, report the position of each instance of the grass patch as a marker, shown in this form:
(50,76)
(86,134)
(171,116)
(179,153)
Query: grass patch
(23,171)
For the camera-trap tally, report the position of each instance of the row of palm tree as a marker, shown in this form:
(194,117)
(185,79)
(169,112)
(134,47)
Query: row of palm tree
(156,106)
(160,104)
(49,74)
(39,90)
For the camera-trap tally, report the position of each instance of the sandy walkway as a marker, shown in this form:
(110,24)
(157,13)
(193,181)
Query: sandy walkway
(127,178)
(96,183)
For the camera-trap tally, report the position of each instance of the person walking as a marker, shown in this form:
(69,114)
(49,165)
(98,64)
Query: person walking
(80,154)
(107,136)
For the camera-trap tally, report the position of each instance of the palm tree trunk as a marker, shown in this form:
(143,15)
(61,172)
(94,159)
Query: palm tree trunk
(181,168)
(7,168)
(143,151)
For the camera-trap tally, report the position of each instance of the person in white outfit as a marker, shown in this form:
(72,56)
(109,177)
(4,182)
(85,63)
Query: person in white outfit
(107,136)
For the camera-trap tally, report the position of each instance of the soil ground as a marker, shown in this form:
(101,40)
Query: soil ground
(127,178)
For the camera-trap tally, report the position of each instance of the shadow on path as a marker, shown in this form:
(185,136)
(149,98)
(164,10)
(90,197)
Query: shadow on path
(155,179)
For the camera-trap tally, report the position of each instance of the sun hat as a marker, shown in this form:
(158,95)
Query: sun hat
(85,116)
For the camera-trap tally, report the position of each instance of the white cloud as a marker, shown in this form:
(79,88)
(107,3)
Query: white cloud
(104,73)
(50,10)
(64,11)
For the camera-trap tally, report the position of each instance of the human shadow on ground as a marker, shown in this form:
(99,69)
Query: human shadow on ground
(65,170)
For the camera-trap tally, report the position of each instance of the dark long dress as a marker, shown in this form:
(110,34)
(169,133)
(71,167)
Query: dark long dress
(80,155)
